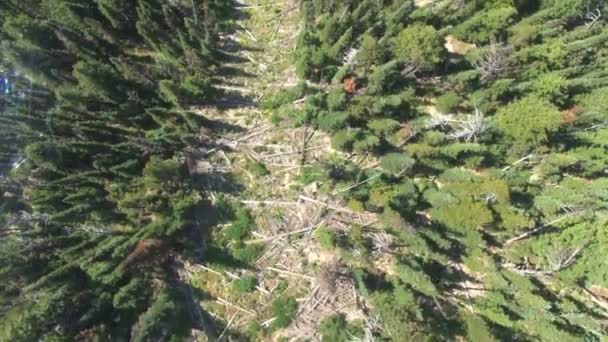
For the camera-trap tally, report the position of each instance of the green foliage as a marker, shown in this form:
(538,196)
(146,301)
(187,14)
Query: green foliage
(241,226)
(257,168)
(552,87)
(420,45)
(528,121)
(371,52)
(245,284)
(396,163)
(383,127)
(284,309)
(334,329)
(448,102)
(486,24)
(325,237)
(343,140)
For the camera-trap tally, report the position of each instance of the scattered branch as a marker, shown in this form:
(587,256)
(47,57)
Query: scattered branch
(471,127)
(593,17)
(538,229)
(518,162)
(493,61)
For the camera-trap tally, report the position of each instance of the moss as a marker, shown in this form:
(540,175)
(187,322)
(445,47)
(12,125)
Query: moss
(325,237)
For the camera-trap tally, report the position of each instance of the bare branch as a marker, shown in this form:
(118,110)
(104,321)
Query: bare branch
(439,120)
(493,61)
(382,242)
(350,57)
(471,127)
(593,17)
(538,229)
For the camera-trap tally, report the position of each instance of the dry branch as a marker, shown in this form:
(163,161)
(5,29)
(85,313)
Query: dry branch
(286,272)
(538,229)
(224,302)
(276,237)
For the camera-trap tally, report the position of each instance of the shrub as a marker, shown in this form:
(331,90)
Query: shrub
(332,121)
(420,45)
(368,143)
(396,163)
(336,98)
(528,121)
(247,254)
(284,96)
(245,284)
(284,310)
(552,87)
(334,329)
(448,102)
(241,226)
(343,140)
(486,24)
(257,169)
(325,238)
(383,127)
(370,53)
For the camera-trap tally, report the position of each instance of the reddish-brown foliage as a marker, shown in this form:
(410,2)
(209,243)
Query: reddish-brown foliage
(147,251)
(570,114)
(350,85)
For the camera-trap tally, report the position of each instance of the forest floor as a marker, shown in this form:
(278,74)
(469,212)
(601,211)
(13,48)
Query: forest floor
(269,160)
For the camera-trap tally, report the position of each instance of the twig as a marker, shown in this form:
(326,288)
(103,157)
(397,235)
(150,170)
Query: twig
(247,137)
(536,230)
(275,237)
(518,161)
(227,327)
(293,152)
(362,182)
(595,299)
(224,302)
(260,6)
(276,203)
(208,269)
(330,207)
(278,270)
(267,322)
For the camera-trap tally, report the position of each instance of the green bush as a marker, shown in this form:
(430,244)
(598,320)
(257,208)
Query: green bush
(528,121)
(383,127)
(396,163)
(420,45)
(257,168)
(448,102)
(241,226)
(325,237)
(343,140)
(366,143)
(245,253)
(334,329)
(245,284)
(284,310)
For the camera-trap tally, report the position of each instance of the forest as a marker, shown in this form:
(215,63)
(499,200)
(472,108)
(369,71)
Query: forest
(303,170)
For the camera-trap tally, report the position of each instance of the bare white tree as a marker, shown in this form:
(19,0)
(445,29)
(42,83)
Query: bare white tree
(408,70)
(350,57)
(439,120)
(470,128)
(370,327)
(557,262)
(382,242)
(493,61)
(490,198)
(593,17)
